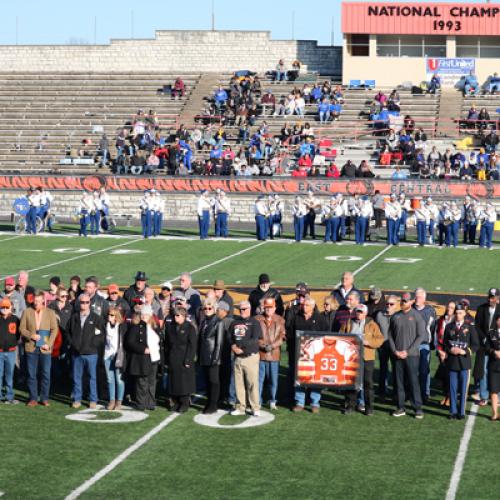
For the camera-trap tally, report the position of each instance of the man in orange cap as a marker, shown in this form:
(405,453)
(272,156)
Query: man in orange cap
(9,335)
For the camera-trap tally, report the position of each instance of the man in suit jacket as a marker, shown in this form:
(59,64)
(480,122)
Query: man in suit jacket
(86,336)
(483,322)
(39,330)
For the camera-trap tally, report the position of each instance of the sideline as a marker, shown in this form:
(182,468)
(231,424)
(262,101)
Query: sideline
(462,453)
(121,457)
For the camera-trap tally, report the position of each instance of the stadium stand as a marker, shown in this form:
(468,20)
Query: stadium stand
(45,116)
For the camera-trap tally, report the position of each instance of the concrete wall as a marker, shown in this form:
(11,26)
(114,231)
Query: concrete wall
(177,51)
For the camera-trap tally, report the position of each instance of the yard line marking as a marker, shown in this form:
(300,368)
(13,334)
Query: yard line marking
(70,259)
(10,239)
(121,457)
(366,264)
(223,259)
(462,452)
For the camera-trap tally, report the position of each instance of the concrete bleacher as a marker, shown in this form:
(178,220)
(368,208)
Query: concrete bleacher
(488,101)
(352,134)
(63,109)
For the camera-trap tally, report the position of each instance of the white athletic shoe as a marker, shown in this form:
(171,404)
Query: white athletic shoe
(236,413)
(272,406)
(256,413)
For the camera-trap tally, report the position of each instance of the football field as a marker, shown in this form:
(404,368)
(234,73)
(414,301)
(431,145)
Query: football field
(329,455)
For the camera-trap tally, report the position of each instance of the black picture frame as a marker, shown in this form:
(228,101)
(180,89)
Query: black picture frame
(343,358)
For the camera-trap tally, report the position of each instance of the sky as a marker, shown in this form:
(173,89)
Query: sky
(40,22)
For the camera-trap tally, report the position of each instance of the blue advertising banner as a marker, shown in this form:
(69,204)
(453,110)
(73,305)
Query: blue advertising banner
(450,69)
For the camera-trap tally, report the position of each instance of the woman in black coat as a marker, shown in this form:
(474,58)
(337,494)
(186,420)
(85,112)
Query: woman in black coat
(493,349)
(143,346)
(209,356)
(180,351)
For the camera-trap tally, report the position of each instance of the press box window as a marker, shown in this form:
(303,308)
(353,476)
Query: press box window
(359,45)
(411,46)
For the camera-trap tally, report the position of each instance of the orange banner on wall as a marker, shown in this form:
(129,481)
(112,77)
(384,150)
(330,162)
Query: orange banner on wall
(282,185)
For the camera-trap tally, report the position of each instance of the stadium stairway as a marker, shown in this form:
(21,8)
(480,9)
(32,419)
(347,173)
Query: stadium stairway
(449,110)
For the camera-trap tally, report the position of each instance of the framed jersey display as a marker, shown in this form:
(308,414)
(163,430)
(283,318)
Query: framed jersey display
(330,360)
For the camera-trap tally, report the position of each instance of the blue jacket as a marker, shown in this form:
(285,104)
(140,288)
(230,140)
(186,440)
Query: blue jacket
(323,107)
(221,95)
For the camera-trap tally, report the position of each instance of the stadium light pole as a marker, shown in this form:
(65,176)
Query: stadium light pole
(213,15)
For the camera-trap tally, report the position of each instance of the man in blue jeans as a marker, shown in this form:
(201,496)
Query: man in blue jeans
(428,314)
(86,336)
(307,319)
(39,330)
(9,335)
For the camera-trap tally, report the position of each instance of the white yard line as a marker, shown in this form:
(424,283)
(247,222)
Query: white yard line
(121,457)
(77,257)
(462,453)
(10,239)
(223,259)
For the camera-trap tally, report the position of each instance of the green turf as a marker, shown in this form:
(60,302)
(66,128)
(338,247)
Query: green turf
(448,269)
(45,455)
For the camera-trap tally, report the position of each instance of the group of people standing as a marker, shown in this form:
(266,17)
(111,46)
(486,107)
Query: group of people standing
(183,343)
(93,208)
(39,202)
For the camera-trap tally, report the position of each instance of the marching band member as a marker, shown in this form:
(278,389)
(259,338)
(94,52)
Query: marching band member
(276,208)
(105,203)
(488,218)
(445,220)
(222,208)
(146,212)
(342,202)
(433,218)
(46,200)
(95,214)
(392,215)
(158,211)
(312,204)
(34,201)
(86,205)
(405,208)
(203,210)
(466,209)
(422,218)
(261,215)
(364,214)
(455,226)
(299,211)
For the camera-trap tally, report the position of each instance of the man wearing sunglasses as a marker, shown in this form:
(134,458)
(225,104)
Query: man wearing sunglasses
(115,300)
(406,332)
(86,336)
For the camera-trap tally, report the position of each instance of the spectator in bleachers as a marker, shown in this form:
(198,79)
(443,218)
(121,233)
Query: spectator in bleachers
(179,88)
(307,131)
(324,110)
(306,92)
(392,141)
(348,170)
(434,84)
(307,147)
(466,172)
(335,110)
(398,174)
(409,124)
(484,119)
(104,149)
(381,98)
(338,94)
(300,105)
(490,142)
(220,98)
(294,73)
(332,171)
(471,86)
(394,101)
(420,139)
(280,71)
(268,103)
(364,170)
(316,93)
